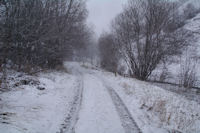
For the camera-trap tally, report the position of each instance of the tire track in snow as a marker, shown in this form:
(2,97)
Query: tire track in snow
(72,118)
(98,113)
(128,123)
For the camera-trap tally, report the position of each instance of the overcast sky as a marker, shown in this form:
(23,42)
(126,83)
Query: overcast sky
(101,12)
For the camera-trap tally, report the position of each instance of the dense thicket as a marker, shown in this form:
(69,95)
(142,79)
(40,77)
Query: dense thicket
(41,32)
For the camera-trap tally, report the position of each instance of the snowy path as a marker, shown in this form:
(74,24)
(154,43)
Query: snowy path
(85,99)
(71,119)
(128,122)
(98,114)
(101,110)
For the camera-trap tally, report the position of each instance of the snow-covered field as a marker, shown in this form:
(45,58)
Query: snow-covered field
(87,99)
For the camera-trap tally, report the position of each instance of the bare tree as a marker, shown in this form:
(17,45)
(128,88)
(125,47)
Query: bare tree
(40,32)
(142,35)
(108,52)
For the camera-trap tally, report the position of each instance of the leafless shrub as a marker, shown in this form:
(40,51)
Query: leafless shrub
(3,81)
(188,77)
(41,32)
(165,74)
(122,70)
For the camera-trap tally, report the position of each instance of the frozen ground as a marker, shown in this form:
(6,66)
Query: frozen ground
(87,99)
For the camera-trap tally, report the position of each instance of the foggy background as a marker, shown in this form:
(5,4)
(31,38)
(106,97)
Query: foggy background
(101,12)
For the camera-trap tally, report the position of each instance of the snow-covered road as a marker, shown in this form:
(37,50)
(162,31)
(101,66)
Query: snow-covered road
(99,113)
(86,99)
(116,105)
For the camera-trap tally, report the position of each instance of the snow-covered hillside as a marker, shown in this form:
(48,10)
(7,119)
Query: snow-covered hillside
(84,98)
(193,25)
(195,3)
(190,55)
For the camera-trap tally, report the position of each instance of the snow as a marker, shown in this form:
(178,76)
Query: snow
(98,114)
(154,108)
(195,3)
(32,110)
(78,99)
(193,25)
(191,94)
(191,52)
(151,108)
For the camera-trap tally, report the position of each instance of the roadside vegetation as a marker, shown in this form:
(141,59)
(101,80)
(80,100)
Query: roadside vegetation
(147,35)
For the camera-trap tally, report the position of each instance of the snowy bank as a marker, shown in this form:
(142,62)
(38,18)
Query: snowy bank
(154,108)
(27,109)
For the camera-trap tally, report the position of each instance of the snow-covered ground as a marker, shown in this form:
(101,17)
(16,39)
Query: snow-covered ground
(25,109)
(155,109)
(86,99)
(191,94)
(97,114)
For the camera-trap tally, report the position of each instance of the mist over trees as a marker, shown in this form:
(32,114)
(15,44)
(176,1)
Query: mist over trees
(108,52)
(41,32)
(44,33)
(146,33)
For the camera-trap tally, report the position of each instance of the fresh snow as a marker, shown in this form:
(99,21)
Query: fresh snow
(155,109)
(85,99)
(190,52)
(97,114)
(27,109)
